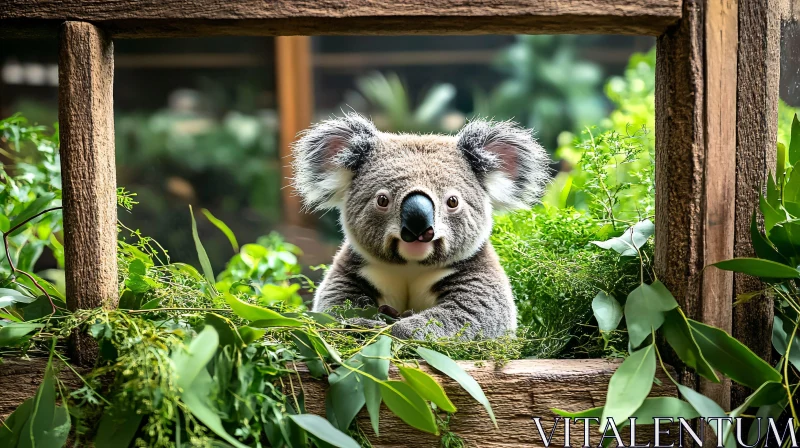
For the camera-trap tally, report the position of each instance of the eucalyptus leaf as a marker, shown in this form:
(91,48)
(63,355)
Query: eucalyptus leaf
(762,246)
(427,387)
(408,405)
(708,408)
(663,407)
(323,430)
(345,395)
(376,364)
(117,427)
(644,310)
(679,336)
(758,267)
(450,368)
(631,240)
(607,311)
(794,144)
(731,357)
(780,340)
(14,332)
(9,297)
(630,385)
(259,316)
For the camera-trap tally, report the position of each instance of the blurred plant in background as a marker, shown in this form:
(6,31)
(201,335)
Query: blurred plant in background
(391,105)
(549,87)
(226,160)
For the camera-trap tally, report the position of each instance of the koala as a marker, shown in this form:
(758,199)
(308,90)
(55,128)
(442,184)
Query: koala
(416,212)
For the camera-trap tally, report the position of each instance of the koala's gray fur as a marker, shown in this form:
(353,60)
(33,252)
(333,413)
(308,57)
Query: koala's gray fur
(457,285)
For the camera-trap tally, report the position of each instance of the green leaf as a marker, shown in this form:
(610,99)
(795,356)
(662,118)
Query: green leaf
(630,385)
(607,311)
(376,364)
(707,408)
(771,392)
(794,143)
(631,240)
(407,404)
(189,363)
(731,357)
(773,193)
(259,316)
(780,164)
(761,244)
(764,412)
(308,351)
(771,215)
(449,367)
(205,263)
(226,330)
(780,340)
(345,396)
(9,297)
(196,398)
(37,206)
(645,308)
(117,427)
(663,407)
(250,334)
(679,336)
(151,304)
(791,189)
(48,425)
(758,267)
(13,333)
(223,228)
(323,430)
(786,237)
(427,387)
(11,428)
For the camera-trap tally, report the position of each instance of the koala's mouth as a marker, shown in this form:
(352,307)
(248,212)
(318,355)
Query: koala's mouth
(415,250)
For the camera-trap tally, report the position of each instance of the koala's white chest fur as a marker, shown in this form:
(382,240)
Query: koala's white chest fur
(406,287)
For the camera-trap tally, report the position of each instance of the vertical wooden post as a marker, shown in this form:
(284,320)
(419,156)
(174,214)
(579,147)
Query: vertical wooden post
(295,107)
(757,123)
(86,120)
(695,163)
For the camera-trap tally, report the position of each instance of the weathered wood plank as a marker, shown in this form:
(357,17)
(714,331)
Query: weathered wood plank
(721,44)
(518,391)
(756,137)
(161,18)
(695,163)
(86,119)
(295,105)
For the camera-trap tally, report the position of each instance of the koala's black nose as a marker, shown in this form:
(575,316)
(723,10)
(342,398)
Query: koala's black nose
(416,218)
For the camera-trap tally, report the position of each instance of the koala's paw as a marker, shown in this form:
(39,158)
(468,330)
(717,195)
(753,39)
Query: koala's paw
(361,322)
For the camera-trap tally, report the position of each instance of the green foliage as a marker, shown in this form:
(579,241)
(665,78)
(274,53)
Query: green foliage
(548,88)
(706,349)
(555,273)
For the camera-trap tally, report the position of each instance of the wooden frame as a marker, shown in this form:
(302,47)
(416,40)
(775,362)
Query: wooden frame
(716,114)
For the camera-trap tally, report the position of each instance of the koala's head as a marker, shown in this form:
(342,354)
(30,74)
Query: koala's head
(418,198)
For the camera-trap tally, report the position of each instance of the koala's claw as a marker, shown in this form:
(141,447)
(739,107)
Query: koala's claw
(389,311)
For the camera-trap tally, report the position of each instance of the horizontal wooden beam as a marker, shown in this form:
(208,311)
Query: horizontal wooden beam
(177,18)
(517,391)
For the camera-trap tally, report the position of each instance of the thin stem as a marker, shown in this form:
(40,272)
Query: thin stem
(11,263)
(786,376)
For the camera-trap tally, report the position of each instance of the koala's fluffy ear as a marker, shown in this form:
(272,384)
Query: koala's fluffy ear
(328,154)
(512,166)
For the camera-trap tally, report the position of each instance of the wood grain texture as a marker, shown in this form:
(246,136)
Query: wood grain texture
(162,18)
(86,120)
(295,106)
(517,391)
(756,139)
(721,44)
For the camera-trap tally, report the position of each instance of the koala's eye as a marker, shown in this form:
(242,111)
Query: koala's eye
(452,202)
(383,200)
